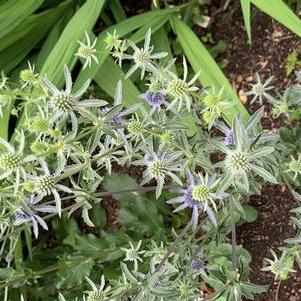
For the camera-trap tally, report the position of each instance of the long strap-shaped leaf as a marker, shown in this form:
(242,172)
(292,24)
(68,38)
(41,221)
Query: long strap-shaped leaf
(107,79)
(278,10)
(211,75)
(13,12)
(11,56)
(246,11)
(37,27)
(67,45)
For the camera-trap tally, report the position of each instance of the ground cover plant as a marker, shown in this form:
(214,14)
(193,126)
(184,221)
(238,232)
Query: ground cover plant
(165,136)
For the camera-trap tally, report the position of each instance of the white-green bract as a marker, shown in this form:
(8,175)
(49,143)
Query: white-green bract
(87,51)
(261,89)
(143,58)
(243,158)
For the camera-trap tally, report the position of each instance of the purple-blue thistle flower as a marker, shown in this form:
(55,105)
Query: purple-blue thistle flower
(199,266)
(198,196)
(154,98)
(29,213)
(229,138)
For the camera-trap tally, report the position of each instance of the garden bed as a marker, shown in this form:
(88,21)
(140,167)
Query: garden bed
(271,44)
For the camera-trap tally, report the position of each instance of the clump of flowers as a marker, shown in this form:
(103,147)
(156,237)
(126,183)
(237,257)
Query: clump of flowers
(70,142)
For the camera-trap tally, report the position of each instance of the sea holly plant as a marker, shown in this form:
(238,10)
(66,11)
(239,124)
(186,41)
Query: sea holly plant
(71,141)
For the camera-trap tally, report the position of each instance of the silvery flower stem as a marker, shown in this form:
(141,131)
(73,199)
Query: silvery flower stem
(172,247)
(233,236)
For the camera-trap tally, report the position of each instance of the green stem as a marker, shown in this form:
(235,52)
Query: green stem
(233,235)
(18,254)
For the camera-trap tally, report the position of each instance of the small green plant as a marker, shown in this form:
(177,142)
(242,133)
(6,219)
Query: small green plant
(291,62)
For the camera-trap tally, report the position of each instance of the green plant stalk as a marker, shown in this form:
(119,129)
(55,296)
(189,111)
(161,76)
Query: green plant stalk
(18,255)
(53,268)
(233,236)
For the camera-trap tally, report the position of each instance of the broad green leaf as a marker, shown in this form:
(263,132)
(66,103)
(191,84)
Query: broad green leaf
(246,8)
(107,78)
(67,45)
(278,10)
(14,12)
(72,272)
(211,75)
(251,213)
(137,212)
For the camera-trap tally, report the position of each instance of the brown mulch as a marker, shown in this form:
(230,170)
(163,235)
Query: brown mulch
(271,44)
(268,232)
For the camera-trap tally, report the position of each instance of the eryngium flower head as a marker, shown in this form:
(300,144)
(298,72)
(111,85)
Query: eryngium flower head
(133,254)
(294,166)
(244,156)
(64,102)
(143,57)
(98,293)
(159,166)
(10,161)
(238,161)
(28,76)
(87,51)
(155,99)
(30,213)
(179,90)
(112,40)
(135,127)
(199,196)
(45,184)
(260,90)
